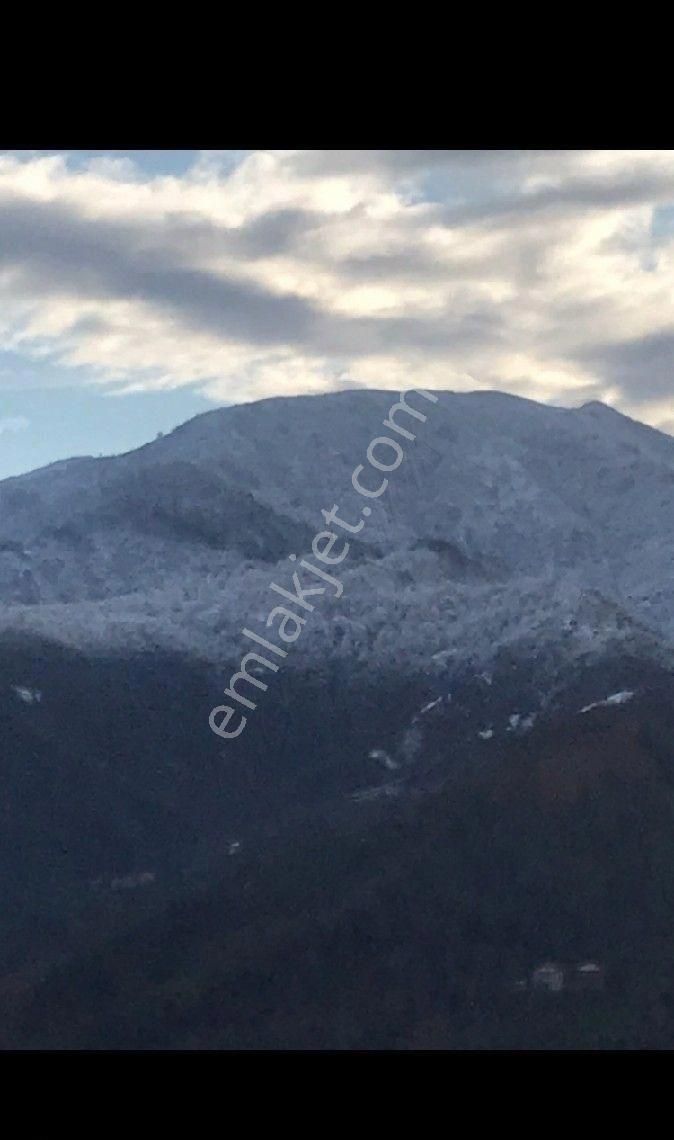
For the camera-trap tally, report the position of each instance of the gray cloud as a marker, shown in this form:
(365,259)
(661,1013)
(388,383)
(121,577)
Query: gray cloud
(517,257)
(642,369)
(406,162)
(566,199)
(56,250)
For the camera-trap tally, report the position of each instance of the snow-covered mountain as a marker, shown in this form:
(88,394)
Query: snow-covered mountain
(507,523)
(494,680)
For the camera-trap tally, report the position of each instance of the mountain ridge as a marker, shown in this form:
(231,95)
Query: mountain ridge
(497,497)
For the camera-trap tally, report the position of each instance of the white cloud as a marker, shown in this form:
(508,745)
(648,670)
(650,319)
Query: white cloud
(280,272)
(13,424)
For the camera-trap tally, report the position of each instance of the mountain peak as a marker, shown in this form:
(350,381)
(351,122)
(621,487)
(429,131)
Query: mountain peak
(598,407)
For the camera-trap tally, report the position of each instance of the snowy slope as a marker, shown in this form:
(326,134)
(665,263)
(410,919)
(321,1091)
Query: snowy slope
(509,523)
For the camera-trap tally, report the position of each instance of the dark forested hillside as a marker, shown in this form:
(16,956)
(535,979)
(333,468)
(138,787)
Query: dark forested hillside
(407,922)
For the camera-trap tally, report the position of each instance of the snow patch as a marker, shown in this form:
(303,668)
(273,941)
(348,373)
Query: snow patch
(519,723)
(615,699)
(383,757)
(28,696)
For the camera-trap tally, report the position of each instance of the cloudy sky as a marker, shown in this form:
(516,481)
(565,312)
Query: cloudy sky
(139,289)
